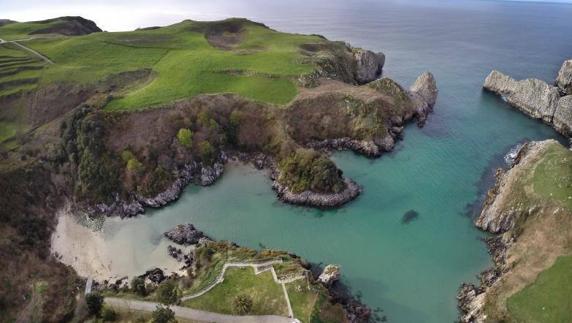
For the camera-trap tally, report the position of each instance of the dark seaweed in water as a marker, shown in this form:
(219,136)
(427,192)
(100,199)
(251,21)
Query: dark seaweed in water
(409,216)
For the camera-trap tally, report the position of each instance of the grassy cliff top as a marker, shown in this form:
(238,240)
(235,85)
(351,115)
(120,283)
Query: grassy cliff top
(185,59)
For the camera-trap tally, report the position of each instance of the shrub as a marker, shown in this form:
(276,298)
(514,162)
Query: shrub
(185,137)
(306,169)
(108,314)
(207,152)
(94,303)
(138,286)
(168,292)
(242,304)
(163,314)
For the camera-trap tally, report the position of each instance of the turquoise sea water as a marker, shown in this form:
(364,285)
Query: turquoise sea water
(412,271)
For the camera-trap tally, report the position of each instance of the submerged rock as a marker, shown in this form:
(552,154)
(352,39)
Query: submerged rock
(184,234)
(564,78)
(369,65)
(409,216)
(330,274)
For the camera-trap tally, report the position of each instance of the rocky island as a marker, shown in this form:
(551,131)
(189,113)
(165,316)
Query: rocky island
(147,112)
(538,99)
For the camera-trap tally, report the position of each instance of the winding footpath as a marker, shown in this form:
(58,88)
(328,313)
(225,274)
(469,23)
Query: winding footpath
(258,268)
(35,53)
(198,315)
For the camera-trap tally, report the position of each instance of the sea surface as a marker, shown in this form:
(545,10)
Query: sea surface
(410,270)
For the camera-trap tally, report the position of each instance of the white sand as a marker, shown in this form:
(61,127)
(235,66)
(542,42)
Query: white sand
(80,247)
(94,254)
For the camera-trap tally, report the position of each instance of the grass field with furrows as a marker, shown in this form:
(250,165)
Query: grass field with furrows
(186,59)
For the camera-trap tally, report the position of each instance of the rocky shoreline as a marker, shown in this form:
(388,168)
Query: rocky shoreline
(550,103)
(194,172)
(500,222)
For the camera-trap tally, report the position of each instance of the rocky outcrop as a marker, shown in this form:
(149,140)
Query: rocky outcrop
(537,98)
(366,148)
(185,234)
(494,217)
(564,78)
(563,116)
(209,174)
(330,274)
(315,199)
(424,93)
(369,65)
(532,96)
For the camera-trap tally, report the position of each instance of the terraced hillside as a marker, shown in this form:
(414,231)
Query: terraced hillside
(186,59)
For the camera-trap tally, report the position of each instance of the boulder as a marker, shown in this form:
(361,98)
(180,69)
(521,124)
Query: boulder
(534,97)
(426,87)
(330,274)
(184,234)
(209,174)
(563,116)
(369,65)
(564,78)
(155,275)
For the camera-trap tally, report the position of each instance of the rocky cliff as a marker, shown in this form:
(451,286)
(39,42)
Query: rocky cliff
(537,98)
(529,211)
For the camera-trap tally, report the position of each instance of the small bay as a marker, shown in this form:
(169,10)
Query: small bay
(409,269)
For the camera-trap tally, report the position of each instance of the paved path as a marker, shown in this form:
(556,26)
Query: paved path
(197,315)
(35,53)
(258,268)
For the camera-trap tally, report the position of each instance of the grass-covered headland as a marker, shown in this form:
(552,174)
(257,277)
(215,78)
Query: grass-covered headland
(113,122)
(530,208)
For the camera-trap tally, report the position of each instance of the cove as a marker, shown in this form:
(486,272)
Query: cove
(412,271)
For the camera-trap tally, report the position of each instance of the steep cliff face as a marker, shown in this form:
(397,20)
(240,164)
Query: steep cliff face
(532,96)
(529,210)
(564,79)
(537,98)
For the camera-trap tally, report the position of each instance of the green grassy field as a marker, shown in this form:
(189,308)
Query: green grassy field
(553,175)
(548,299)
(262,65)
(267,295)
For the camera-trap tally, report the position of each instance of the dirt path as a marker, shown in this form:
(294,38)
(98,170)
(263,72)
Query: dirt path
(33,52)
(197,315)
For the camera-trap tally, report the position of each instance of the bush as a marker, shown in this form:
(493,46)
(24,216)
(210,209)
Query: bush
(207,152)
(138,286)
(163,314)
(108,314)
(242,304)
(168,292)
(185,137)
(94,303)
(306,169)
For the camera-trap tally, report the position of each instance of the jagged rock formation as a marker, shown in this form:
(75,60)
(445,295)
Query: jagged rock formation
(537,98)
(562,121)
(185,234)
(316,199)
(564,79)
(369,65)
(330,274)
(532,96)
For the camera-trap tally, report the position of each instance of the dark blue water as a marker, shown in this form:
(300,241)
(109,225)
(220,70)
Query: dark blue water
(411,270)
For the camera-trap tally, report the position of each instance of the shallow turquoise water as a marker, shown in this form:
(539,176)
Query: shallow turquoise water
(412,271)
